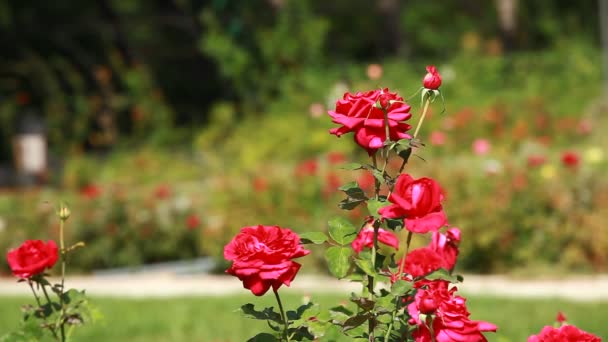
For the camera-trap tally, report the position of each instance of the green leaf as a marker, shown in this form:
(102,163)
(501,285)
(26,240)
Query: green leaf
(342,231)
(364,303)
(366,266)
(263,337)
(353,191)
(338,260)
(349,203)
(249,311)
(352,166)
(356,321)
(373,205)
(313,237)
(443,275)
(401,287)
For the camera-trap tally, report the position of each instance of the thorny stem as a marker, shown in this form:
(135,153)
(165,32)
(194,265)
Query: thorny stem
(376,181)
(48,299)
(283,316)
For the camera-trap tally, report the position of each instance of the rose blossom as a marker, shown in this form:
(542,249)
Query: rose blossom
(451,318)
(365,238)
(359,114)
(261,257)
(422,261)
(432,80)
(565,333)
(446,246)
(561,318)
(419,201)
(32,258)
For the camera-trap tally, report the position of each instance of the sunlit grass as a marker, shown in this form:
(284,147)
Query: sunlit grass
(214,319)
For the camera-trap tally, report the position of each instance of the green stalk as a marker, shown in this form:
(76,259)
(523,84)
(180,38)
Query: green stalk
(283,316)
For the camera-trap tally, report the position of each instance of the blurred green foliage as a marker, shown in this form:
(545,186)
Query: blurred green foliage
(282,167)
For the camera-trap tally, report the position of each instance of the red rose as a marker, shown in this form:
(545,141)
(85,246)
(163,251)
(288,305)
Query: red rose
(365,238)
(359,114)
(261,257)
(570,159)
(32,258)
(90,191)
(536,160)
(451,321)
(446,246)
(193,222)
(561,318)
(565,333)
(419,202)
(307,168)
(162,191)
(432,80)
(422,261)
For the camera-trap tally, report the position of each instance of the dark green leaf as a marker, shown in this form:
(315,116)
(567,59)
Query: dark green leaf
(356,321)
(353,191)
(338,260)
(249,311)
(313,237)
(349,203)
(342,231)
(263,337)
(364,303)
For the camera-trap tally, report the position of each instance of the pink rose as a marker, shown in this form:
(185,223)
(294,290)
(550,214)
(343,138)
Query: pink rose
(419,202)
(365,238)
(359,114)
(261,257)
(438,138)
(565,333)
(32,258)
(446,246)
(451,320)
(481,147)
(432,80)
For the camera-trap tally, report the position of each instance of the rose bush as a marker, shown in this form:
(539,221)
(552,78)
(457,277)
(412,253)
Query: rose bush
(32,258)
(262,257)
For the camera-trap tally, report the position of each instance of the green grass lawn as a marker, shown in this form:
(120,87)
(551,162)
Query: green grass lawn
(212,319)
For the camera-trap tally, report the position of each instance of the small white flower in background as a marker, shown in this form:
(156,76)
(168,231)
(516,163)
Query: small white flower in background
(448,74)
(182,203)
(594,155)
(492,166)
(306,299)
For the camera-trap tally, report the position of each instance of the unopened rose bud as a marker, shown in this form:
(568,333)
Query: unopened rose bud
(64,212)
(432,80)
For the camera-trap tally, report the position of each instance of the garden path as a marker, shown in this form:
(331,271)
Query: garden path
(583,288)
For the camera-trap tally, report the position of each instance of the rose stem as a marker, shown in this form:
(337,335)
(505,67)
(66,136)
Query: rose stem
(62,245)
(426,107)
(407,248)
(48,299)
(285,332)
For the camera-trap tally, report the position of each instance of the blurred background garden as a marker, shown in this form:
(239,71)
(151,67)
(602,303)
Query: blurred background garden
(167,125)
